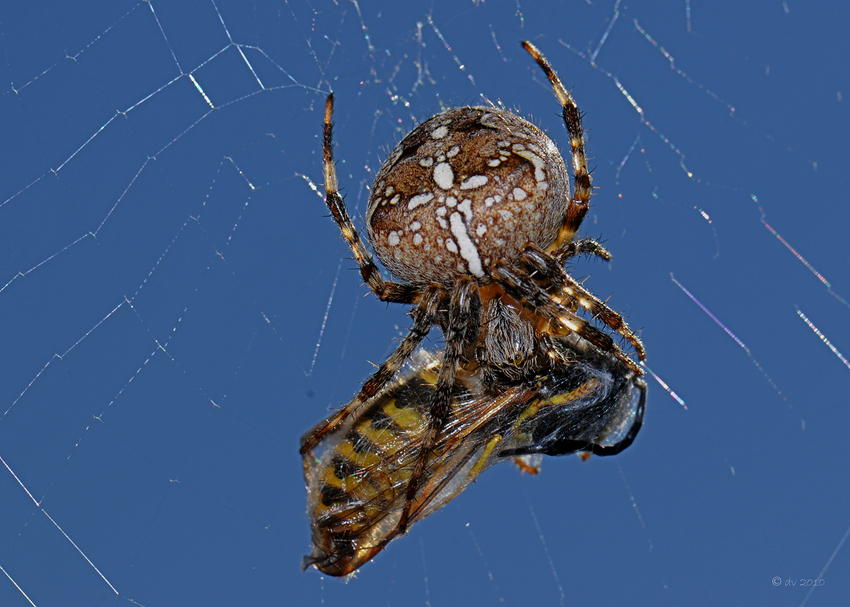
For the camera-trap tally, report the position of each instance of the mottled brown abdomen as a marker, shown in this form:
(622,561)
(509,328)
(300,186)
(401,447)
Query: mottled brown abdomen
(465,189)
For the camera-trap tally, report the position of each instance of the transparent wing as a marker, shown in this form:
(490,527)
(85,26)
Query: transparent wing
(357,476)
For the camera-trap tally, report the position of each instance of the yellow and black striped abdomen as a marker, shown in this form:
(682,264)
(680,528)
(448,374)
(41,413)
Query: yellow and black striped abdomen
(357,480)
(359,475)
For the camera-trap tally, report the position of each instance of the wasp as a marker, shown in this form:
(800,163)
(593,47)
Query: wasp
(358,477)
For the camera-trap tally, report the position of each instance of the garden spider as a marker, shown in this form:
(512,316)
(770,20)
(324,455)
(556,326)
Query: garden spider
(472,214)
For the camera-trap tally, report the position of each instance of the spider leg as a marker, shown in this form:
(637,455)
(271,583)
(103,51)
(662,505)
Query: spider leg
(583,186)
(461,330)
(385,290)
(521,286)
(424,315)
(541,261)
(585,246)
(564,245)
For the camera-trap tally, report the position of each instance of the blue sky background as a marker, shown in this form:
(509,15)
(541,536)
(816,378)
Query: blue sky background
(167,270)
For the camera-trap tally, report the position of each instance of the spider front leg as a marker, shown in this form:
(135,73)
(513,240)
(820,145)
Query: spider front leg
(460,331)
(540,261)
(585,246)
(583,184)
(386,291)
(549,263)
(424,315)
(522,287)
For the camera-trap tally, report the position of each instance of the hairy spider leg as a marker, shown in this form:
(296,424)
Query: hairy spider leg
(583,185)
(424,314)
(385,290)
(521,286)
(585,246)
(551,263)
(460,331)
(540,261)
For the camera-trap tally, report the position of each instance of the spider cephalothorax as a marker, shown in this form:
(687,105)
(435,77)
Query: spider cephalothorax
(472,214)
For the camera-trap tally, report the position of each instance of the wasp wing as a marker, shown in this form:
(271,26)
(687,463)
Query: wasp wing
(358,475)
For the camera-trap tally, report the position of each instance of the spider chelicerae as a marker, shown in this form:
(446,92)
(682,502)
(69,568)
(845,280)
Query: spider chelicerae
(472,214)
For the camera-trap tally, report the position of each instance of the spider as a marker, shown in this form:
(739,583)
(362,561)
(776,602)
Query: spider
(472,214)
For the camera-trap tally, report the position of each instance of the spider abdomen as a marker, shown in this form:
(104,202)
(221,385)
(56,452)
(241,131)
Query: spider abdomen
(464,189)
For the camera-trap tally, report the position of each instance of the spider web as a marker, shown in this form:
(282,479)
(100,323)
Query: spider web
(177,309)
